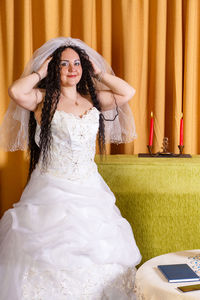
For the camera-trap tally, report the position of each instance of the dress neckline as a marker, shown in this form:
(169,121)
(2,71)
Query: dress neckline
(78,116)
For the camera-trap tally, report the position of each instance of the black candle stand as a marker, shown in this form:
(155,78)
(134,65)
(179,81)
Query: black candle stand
(165,152)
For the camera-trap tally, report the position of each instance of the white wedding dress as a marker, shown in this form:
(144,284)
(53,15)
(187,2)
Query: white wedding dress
(65,239)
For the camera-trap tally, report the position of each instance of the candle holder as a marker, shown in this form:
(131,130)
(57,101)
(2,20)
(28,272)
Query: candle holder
(180,149)
(165,152)
(150,149)
(165,145)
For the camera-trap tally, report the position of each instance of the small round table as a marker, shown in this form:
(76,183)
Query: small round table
(151,284)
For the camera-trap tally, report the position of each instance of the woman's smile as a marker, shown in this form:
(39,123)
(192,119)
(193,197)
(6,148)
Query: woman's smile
(71,76)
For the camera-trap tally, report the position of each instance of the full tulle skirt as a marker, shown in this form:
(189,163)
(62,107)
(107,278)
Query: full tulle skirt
(66,240)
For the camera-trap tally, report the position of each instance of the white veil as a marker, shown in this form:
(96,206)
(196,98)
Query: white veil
(14,128)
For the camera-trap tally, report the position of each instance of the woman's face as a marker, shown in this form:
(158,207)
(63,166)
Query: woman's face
(71,70)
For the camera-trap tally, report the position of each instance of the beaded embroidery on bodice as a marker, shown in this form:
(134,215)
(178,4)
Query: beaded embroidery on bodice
(73,145)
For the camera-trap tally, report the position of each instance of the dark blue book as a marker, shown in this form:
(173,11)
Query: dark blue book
(178,273)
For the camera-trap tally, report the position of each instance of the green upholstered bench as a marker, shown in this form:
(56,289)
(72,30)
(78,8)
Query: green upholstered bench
(160,197)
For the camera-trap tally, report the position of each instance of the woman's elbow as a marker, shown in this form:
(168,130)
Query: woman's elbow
(12,92)
(130,93)
(16,96)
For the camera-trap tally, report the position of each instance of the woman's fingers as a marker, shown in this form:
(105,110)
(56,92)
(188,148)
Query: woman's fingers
(43,69)
(97,70)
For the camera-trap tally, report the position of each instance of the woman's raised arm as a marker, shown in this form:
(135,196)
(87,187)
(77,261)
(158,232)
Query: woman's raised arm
(120,91)
(23,90)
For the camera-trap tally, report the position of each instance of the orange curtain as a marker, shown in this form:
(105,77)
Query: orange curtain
(152,44)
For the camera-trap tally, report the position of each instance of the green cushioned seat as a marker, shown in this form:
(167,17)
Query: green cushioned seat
(160,197)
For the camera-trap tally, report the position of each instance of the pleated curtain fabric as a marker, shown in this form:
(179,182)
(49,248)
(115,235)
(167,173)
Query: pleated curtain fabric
(152,44)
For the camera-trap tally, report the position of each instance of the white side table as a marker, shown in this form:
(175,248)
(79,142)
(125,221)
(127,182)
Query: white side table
(151,284)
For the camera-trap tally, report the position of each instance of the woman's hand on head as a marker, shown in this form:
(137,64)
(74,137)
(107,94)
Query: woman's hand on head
(44,67)
(97,70)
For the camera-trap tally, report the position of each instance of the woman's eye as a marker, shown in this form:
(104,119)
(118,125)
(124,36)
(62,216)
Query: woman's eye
(77,63)
(64,64)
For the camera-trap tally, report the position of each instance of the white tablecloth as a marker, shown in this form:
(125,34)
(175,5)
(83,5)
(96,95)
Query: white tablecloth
(151,284)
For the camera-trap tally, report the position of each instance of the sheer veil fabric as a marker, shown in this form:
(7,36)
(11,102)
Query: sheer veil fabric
(14,128)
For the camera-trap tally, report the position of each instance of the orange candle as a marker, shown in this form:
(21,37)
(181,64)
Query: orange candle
(151,131)
(181,130)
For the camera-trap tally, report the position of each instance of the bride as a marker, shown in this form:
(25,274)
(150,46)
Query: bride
(65,239)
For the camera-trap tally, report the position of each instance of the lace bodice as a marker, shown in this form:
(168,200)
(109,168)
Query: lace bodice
(73,145)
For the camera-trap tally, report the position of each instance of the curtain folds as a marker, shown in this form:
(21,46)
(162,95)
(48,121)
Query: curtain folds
(152,44)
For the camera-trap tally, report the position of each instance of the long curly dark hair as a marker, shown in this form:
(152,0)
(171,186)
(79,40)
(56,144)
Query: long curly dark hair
(51,83)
